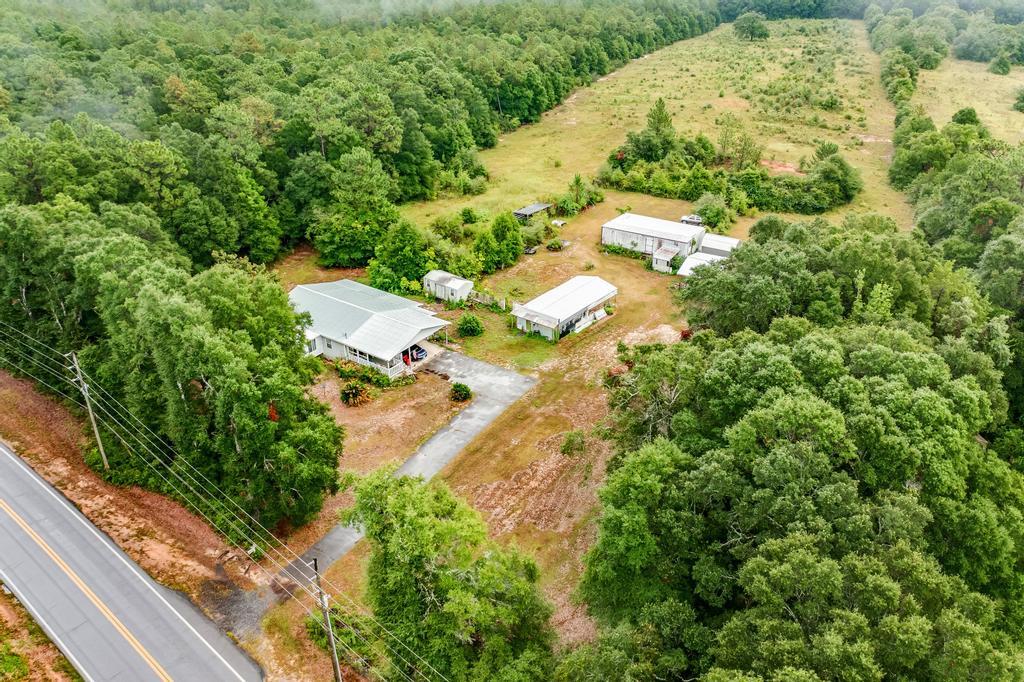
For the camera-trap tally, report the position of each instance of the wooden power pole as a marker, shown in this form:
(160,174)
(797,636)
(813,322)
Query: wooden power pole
(327,623)
(88,406)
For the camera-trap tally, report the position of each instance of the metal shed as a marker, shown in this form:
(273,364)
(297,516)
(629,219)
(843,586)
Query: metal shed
(527,212)
(571,306)
(645,234)
(695,260)
(446,286)
(718,245)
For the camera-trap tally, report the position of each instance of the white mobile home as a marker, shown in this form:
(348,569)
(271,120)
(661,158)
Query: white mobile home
(571,306)
(446,286)
(351,321)
(646,235)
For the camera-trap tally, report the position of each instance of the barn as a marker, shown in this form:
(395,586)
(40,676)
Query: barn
(571,306)
(446,286)
(645,234)
(351,321)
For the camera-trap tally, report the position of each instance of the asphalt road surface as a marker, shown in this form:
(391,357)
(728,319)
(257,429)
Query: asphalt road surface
(111,620)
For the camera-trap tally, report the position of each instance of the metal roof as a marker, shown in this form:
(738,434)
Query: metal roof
(695,260)
(719,241)
(531,209)
(446,279)
(568,298)
(655,227)
(361,317)
(666,253)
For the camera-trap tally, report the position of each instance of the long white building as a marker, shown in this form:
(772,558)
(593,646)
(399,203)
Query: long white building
(571,306)
(645,234)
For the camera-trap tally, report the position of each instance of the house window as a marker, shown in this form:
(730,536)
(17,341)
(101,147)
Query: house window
(311,345)
(328,342)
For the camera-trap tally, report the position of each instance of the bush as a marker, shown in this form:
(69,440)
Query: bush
(354,394)
(555,245)
(470,325)
(574,443)
(461,392)
(1019,104)
(363,374)
(1000,65)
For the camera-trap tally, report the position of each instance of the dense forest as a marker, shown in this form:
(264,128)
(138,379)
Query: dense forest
(153,154)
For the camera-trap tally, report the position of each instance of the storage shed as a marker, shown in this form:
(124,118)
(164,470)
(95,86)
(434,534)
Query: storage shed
(646,235)
(695,260)
(718,245)
(446,286)
(662,258)
(527,212)
(571,306)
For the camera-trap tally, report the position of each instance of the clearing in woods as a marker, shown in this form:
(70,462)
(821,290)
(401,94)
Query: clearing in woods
(957,83)
(777,88)
(514,472)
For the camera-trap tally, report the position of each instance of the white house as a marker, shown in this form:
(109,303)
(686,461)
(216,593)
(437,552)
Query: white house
(571,306)
(645,234)
(662,258)
(695,260)
(718,244)
(352,321)
(446,286)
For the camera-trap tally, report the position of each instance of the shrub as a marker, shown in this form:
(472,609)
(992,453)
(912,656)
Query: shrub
(461,392)
(362,373)
(355,393)
(1019,104)
(574,443)
(714,210)
(1000,65)
(555,245)
(470,325)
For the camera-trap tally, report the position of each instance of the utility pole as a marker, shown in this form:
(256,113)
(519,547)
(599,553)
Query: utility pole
(88,406)
(328,624)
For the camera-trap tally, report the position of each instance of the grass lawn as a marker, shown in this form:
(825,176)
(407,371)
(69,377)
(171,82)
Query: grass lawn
(958,83)
(700,80)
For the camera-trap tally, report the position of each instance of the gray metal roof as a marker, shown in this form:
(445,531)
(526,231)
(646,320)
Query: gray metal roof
(446,279)
(531,209)
(561,303)
(666,253)
(647,226)
(696,260)
(361,317)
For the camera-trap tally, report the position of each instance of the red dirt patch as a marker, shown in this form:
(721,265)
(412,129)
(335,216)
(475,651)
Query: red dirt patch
(781,167)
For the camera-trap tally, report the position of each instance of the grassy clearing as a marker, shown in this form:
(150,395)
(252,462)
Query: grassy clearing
(958,83)
(701,79)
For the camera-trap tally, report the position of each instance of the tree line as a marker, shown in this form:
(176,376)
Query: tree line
(151,153)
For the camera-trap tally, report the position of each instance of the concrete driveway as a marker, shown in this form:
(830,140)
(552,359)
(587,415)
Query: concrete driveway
(494,389)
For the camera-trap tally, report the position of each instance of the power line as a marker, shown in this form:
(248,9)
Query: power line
(123,413)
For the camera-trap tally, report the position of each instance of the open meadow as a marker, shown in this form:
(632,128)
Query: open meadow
(777,88)
(958,83)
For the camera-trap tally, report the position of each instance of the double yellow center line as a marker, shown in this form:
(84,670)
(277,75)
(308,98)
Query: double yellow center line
(90,595)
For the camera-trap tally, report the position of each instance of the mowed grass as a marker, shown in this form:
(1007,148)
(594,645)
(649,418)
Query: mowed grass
(701,79)
(957,83)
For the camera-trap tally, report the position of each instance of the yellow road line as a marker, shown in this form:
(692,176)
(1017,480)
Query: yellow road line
(118,625)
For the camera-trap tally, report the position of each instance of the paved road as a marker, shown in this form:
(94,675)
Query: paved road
(111,620)
(494,389)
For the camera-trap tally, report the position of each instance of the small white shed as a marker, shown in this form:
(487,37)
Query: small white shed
(662,258)
(571,306)
(695,260)
(446,286)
